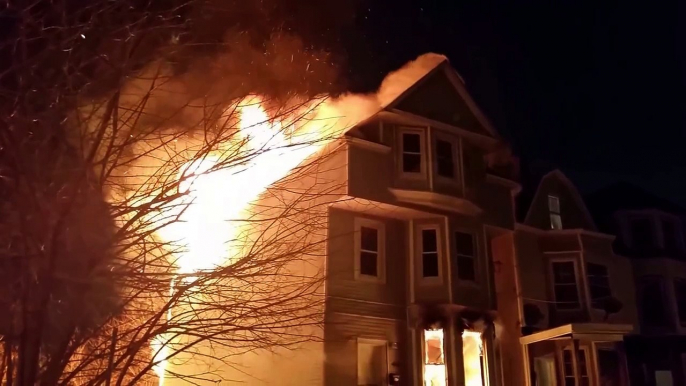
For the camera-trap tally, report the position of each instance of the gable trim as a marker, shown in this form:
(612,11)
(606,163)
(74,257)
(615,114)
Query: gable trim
(457,83)
(575,196)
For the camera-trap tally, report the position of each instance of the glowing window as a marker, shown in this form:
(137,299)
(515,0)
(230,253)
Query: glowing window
(554,209)
(434,359)
(472,355)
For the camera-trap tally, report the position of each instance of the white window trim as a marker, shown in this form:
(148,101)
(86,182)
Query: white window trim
(436,280)
(475,241)
(422,175)
(455,145)
(576,276)
(381,253)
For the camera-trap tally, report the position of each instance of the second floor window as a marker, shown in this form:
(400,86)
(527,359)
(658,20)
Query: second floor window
(554,209)
(430,255)
(369,251)
(670,236)
(464,246)
(598,284)
(412,152)
(653,308)
(565,288)
(642,237)
(444,159)
(680,294)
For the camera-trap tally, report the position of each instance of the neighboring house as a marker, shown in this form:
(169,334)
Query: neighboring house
(650,230)
(410,288)
(575,295)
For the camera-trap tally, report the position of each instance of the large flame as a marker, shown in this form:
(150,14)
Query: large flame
(218,198)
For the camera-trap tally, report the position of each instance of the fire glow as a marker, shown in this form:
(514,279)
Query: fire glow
(216,200)
(472,357)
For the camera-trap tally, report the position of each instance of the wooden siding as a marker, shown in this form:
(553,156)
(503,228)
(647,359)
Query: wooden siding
(341,261)
(340,346)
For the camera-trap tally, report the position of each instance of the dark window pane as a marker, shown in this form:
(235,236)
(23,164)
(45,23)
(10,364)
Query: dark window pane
(680,289)
(369,239)
(609,368)
(652,301)
(642,234)
(563,273)
(567,356)
(368,263)
(465,268)
(566,297)
(570,382)
(598,284)
(430,264)
(411,143)
(412,163)
(464,243)
(444,158)
(429,240)
(670,235)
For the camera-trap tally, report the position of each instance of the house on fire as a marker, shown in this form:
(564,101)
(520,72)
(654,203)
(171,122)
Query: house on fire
(441,270)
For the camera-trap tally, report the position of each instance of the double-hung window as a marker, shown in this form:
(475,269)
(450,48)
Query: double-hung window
(369,249)
(554,209)
(565,285)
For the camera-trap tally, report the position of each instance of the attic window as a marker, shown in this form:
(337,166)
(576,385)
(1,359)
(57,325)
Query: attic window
(554,209)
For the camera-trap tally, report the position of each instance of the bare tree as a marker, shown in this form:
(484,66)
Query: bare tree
(163,196)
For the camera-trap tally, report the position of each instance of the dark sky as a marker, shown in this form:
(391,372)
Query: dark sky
(597,88)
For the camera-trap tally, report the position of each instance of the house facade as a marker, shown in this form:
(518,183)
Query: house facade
(576,294)
(410,291)
(650,231)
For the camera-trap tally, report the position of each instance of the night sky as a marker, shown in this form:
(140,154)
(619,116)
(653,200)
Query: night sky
(596,88)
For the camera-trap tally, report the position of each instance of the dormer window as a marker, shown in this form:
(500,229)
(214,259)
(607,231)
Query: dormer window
(554,210)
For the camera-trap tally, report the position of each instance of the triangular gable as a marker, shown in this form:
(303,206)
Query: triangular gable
(575,214)
(441,96)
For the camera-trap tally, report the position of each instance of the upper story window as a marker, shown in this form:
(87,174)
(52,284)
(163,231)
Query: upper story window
(412,151)
(445,161)
(652,301)
(369,249)
(466,256)
(598,284)
(554,209)
(565,285)
(430,253)
(642,236)
(671,236)
(680,294)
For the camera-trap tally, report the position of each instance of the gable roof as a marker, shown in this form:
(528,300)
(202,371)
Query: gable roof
(576,196)
(438,78)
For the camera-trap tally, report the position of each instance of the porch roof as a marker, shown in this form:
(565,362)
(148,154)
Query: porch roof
(598,332)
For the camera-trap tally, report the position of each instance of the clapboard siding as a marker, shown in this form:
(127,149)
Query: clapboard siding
(340,345)
(353,306)
(341,264)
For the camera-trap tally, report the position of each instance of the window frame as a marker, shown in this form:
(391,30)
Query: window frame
(679,311)
(475,250)
(583,350)
(455,152)
(554,214)
(577,278)
(380,227)
(661,283)
(440,254)
(422,155)
(588,283)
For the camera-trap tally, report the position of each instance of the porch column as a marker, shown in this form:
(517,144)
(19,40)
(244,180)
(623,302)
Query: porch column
(577,368)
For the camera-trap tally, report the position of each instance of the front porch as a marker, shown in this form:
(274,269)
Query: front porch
(579,354)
